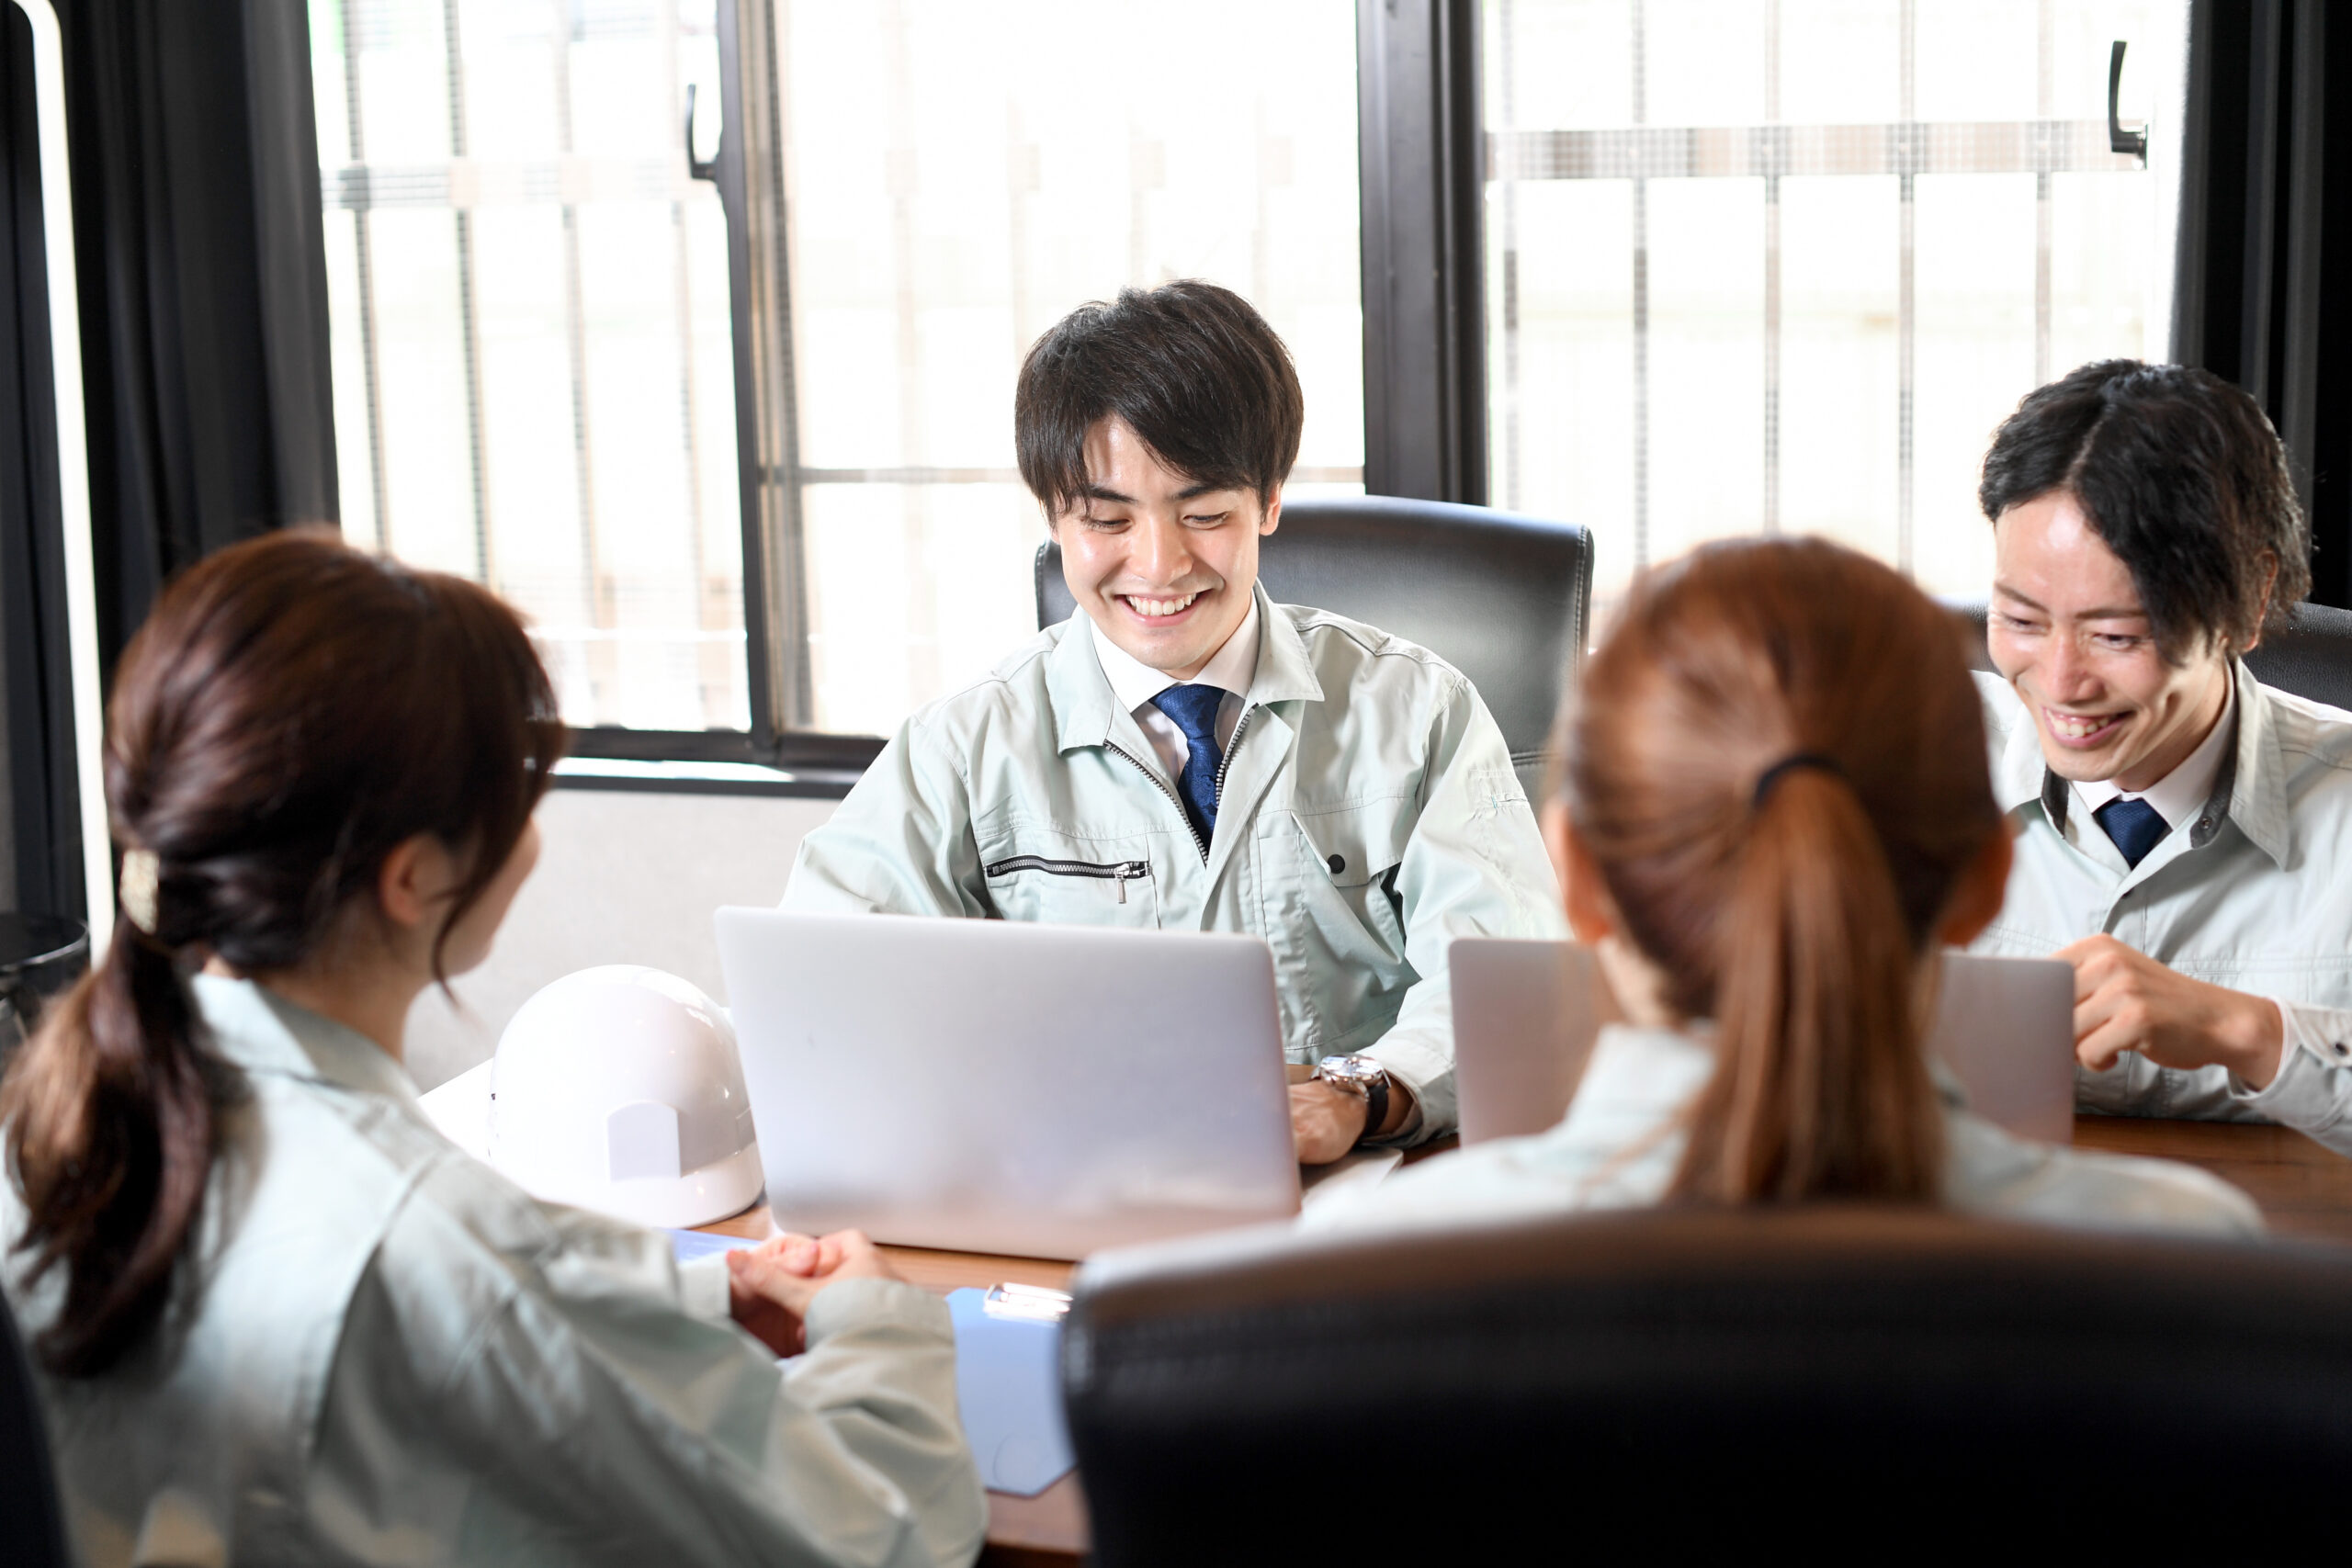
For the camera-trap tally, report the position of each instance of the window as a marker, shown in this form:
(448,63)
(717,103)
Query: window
(529,308)
(1784,265)
(535,342)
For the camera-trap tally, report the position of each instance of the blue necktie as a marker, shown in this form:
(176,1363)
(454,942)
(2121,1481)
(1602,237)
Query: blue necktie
(1194,709)
(2134,825)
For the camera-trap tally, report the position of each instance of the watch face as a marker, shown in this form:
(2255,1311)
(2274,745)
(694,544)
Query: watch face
(1349,1070)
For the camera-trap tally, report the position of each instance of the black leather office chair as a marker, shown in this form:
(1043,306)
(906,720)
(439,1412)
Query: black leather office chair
(1504,599)
(1841,1380)
(32,1533)
(2311,656)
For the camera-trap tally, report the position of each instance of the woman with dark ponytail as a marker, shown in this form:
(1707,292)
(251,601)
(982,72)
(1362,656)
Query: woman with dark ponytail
(278,1318)
(1772,813)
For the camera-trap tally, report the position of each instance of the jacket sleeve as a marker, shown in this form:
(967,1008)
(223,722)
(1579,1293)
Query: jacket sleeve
(2312,1090)
(902,843)
(595,1418)
(1990,1171)
(1475,865)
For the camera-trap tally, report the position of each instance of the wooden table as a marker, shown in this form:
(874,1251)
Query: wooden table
(2303,1190)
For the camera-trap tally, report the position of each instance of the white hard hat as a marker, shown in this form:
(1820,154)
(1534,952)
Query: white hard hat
(619,1089)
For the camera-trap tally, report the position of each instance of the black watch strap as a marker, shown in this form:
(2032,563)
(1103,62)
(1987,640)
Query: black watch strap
(1376,1106)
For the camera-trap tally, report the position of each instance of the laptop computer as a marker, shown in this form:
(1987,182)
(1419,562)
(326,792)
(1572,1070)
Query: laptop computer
(1525,1014)
(993,1086)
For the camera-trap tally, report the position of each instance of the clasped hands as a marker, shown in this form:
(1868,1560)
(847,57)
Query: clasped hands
(769,1287)
(2124,1000)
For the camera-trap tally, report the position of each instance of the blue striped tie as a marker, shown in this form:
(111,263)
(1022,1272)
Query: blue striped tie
(2134,825)
(1194,709)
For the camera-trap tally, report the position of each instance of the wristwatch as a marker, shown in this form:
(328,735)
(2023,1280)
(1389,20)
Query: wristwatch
(1360,1075)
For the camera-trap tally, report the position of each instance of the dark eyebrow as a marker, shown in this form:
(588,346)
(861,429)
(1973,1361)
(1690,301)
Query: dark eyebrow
(2115,612)
(1105,493)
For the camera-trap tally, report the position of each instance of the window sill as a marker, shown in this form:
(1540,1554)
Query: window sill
(646,777)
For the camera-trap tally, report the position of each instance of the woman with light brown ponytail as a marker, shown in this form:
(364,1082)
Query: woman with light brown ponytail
(1774,813)
(279,1318)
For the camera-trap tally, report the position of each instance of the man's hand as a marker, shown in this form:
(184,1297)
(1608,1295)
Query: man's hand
(2124,1000)
(769,1286)
(1327,1122)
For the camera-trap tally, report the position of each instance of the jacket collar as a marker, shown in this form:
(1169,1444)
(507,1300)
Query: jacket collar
(1086,710)
(2250,790)
(262,1032)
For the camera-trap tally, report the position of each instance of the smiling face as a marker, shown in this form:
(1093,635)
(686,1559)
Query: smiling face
(1163,564)
(2067,630)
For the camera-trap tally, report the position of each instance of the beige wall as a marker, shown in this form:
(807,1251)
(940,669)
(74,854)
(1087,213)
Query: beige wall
(624,878)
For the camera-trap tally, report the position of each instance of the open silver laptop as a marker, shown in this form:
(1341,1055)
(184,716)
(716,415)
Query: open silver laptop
(1525,1014)
(997,1086)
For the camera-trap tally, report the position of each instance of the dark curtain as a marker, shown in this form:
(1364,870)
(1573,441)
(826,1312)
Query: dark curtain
(203,316)
(2264,291)
(203,279)
(41,836)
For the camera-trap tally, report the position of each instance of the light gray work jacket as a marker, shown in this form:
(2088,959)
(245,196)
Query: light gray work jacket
(2255,893)
(1367,815)
(388,1353)
(1626,1132)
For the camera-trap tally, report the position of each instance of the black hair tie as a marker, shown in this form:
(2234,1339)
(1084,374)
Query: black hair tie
(1789,765)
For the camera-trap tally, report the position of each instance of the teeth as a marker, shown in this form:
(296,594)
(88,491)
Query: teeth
(1161,606)
(2075,728)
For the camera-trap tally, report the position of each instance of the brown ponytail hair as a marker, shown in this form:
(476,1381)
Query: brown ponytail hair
(291,711)
(1794,915)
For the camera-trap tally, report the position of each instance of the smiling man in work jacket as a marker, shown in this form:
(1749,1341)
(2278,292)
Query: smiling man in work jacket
(1184,754)
(2182,828)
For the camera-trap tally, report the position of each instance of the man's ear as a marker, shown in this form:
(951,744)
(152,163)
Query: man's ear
(1592,916)
(1977,896)
(1273,517)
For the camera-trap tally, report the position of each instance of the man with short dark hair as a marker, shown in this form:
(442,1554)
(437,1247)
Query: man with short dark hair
(2183,829)
(1184,753)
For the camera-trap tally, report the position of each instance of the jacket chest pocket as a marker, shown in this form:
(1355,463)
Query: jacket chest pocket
(1093,884)
(1331,917)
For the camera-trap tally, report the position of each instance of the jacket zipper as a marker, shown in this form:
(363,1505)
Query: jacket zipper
(1171,793)
(1240,729)
(1120,872)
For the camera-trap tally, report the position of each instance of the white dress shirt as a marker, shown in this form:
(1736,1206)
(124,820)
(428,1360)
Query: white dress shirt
(1134,684)
(2178,796)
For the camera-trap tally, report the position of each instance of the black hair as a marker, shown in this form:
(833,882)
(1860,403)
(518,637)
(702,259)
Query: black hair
(291,711)
(2183,478)
(1191,368)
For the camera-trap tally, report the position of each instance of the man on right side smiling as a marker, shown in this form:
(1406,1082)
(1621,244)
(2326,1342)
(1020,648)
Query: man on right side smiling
(2184,831)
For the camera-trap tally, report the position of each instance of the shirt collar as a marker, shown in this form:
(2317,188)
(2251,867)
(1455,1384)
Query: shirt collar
(2181,794)
(1230,668)
(262,1032)
(1086,709)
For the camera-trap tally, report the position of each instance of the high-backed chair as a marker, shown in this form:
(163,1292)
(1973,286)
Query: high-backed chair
(1504,599)
(2311,656)
(1701,1381)
(32,1533)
